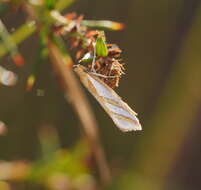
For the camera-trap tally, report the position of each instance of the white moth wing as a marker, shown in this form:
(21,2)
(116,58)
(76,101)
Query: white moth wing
(122,115)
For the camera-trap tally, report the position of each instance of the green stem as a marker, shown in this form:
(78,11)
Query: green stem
(20,35)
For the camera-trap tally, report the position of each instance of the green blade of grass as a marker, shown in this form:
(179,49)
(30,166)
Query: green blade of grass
(103,24)
(20,35)
(6,39)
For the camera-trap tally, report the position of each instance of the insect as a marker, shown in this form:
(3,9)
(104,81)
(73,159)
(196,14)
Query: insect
(122,115)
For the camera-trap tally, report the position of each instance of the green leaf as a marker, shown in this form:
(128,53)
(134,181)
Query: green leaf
(6,39)
(101,48)
(50,4)
(103,24)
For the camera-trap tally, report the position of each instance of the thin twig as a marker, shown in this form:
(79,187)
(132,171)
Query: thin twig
(79,102)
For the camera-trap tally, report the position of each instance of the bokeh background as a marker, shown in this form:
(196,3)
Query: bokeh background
(162,50)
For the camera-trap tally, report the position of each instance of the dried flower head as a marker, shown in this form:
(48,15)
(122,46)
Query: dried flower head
(102,59)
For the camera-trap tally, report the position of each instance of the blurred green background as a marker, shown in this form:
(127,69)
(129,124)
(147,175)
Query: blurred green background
(162,50)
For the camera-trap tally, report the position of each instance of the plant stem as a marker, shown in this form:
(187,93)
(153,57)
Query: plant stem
(74,93)
(20,35)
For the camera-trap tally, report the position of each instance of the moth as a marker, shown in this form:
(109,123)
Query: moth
(122,115)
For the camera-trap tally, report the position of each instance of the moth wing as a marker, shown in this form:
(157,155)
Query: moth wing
(122,115)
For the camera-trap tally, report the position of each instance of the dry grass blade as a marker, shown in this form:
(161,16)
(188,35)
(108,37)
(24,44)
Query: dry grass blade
(73,91)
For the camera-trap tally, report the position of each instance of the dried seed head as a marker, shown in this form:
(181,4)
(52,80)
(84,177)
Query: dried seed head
(108,65)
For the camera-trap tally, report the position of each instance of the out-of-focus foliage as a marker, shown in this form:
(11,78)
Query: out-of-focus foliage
(62,166)
(56,169)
